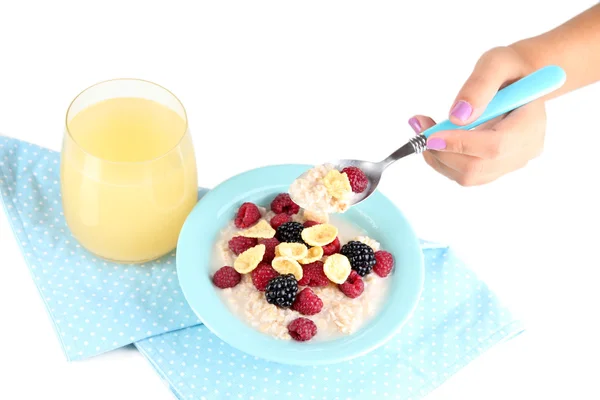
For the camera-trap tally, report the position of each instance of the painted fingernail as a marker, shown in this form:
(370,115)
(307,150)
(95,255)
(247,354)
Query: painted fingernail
(461,110)
(436,144)
(415,125)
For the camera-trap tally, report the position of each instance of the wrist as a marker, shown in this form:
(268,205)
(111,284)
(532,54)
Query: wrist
(534,54)
(526,51)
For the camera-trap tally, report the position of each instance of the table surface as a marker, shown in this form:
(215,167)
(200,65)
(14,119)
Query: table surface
(343,78)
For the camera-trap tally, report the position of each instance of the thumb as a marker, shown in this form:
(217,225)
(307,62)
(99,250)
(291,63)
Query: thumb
(495,69)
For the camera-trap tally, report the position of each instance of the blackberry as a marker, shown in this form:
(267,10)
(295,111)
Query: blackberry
(290,232)
(282,290)
(361,256)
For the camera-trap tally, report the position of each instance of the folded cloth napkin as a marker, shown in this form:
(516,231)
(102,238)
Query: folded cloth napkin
(97,306)
(458,318)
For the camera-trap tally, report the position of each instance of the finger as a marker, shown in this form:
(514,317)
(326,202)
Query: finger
(494,69)
(487,144)
(495,169)
(419,123)
(439,167)
(462,164)
(473,171)
(521,128)
(528,123)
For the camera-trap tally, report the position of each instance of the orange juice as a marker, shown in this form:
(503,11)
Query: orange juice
(128,178)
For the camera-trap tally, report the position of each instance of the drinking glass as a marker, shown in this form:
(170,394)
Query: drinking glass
(128,170)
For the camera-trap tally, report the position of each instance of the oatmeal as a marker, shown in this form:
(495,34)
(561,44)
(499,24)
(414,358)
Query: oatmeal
(372,243)
(300,278)
(325,190)
(322,189)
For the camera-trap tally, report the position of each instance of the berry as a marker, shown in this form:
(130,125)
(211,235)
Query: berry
(384,262)
(307,302)
(283,203)
(358,179)
(270,245)
(360,255)
(247,215)
(290,232)
(313,275)
(282,290)
(240,244)
(261,276)
(226,277)
(332,248)
(354,285)
(308,224)
(302,329)
(279,219)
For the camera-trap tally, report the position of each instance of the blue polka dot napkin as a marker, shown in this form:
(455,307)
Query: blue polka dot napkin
(97,306)
(458,319)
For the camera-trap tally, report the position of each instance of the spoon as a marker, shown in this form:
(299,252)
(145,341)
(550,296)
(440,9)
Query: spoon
(513,96)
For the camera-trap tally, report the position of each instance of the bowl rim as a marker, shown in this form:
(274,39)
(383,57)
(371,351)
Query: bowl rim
(222,202)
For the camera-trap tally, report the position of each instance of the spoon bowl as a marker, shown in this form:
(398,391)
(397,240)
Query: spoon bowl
(372,170)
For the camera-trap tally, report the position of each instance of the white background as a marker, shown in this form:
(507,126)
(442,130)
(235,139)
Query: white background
(277,82)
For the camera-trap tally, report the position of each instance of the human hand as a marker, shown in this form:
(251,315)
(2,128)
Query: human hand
(505,144)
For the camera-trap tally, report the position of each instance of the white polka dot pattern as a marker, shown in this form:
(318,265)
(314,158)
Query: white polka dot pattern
(96,306)
(457,319)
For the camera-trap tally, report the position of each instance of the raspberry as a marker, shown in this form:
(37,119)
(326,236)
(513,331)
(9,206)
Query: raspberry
(302,329)
(308,224)
(358,179)
(384,262)
(332,248)
(240,244)
(247,215)
(261,276)
(270,245)
(226,277)
(280,219)
(354,285)
(283,204)
(307,302)
(313,275)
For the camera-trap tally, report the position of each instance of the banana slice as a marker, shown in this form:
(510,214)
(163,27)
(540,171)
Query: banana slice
(337,184)
(320,235)
(337,268)
(319,217)
(249,259)
(313,254)
(262,230)
(287,265)
(297,251)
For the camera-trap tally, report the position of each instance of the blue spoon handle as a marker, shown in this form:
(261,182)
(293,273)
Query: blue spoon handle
(515,95)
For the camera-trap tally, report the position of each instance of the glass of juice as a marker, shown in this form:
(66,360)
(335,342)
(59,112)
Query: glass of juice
(128,170)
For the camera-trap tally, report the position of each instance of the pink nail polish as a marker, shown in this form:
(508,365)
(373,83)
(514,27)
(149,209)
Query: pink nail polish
(462,110)
(436,144)
(415,125)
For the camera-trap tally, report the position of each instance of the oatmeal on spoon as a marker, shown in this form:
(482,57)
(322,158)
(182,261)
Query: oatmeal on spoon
(326,189)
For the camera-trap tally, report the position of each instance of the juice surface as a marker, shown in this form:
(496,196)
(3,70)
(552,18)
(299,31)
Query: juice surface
(128,177)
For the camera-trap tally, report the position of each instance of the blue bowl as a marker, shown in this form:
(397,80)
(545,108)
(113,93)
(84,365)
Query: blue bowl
(377,216)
